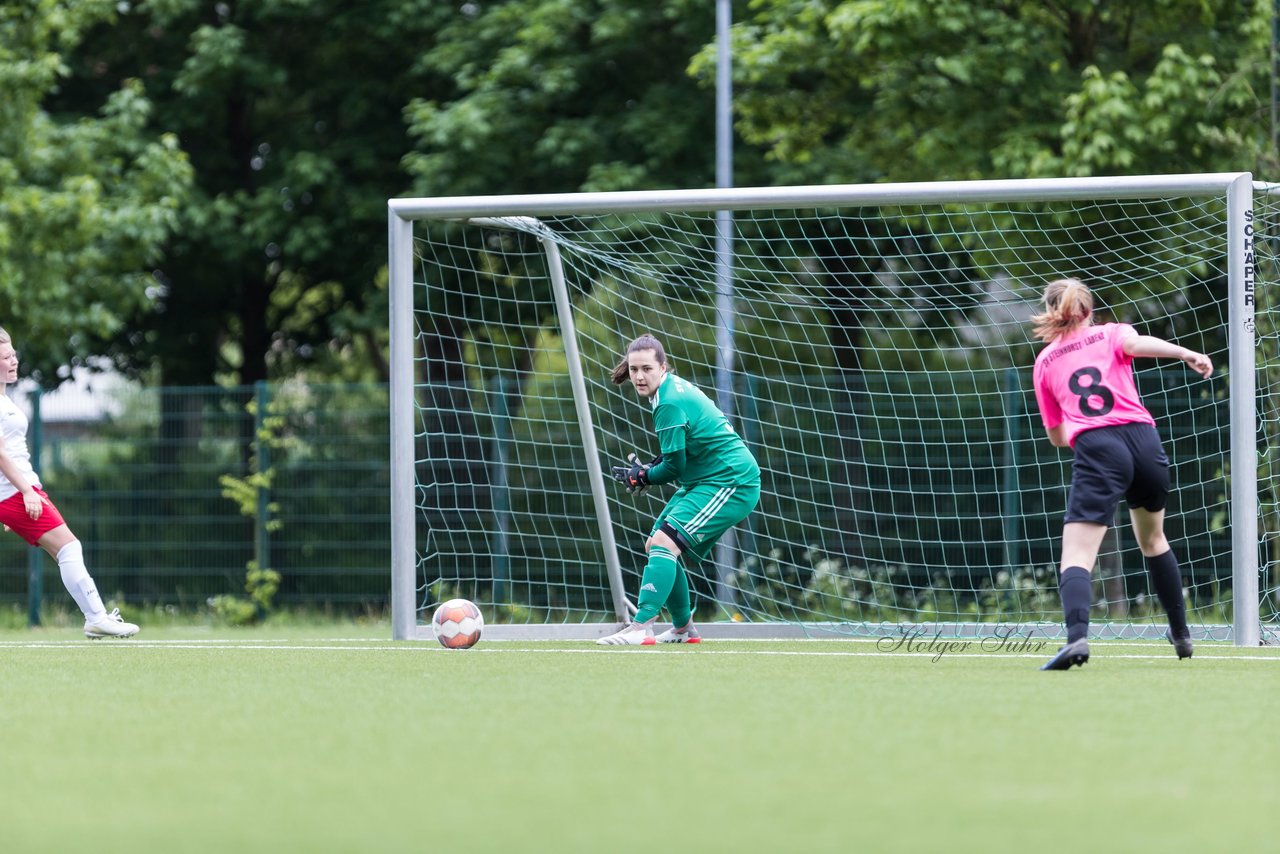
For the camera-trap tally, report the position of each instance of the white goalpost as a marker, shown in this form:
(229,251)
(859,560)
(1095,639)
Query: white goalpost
(880,373)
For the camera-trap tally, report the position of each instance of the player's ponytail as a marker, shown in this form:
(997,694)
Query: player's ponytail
(1068,305)
(622,372)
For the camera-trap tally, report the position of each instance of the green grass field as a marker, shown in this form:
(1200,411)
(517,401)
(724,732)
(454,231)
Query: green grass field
(311,741)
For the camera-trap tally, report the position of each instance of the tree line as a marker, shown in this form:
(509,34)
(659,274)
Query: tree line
(195,191)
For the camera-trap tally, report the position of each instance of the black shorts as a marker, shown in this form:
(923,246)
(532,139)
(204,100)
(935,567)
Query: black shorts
(1124,459)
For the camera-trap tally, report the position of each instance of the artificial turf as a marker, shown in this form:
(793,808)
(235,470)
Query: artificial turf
(297,741)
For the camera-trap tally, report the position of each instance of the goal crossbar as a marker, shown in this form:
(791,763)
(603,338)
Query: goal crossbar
(755,198)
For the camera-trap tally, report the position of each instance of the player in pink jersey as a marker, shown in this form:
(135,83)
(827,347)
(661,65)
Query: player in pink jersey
(1088,401)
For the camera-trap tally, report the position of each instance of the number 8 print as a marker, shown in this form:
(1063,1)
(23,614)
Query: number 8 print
(1095,388)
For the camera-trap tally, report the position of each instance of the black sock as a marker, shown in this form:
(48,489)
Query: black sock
(1165,578)
(1075,585)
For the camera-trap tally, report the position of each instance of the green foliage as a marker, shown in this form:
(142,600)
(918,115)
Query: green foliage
(824,587)
(496,613)
(290,111)
(863,90)
(821,587)
(560,95)
(251,494)
(86,202)
(261,585)
(290,159)
(246,491)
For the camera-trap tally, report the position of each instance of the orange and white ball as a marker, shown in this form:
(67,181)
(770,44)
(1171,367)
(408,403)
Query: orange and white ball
(457,624)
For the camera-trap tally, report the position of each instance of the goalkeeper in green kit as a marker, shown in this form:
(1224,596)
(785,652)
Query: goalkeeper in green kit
(719,487)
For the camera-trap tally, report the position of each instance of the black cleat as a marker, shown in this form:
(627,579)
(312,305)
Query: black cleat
(1074,653)
(1182,646)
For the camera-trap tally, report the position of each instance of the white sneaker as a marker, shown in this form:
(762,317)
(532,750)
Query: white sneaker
(630,635)
(109,626)
(688,634)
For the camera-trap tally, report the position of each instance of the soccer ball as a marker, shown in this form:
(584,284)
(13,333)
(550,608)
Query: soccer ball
(457,624)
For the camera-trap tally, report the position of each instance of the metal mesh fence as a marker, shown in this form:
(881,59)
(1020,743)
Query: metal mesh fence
(140,482)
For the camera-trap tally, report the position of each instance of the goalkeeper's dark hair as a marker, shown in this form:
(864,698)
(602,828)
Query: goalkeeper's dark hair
(622,372)
(1068,305)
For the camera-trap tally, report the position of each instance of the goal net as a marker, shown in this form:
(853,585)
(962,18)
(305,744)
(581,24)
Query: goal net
(872,347)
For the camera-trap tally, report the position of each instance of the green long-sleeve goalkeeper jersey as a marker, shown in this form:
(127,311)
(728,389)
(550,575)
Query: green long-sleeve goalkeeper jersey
(698,443)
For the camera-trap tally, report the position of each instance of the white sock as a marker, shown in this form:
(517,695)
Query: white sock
(76,578)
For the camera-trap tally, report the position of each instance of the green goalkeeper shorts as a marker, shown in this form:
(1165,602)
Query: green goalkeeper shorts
(701,513)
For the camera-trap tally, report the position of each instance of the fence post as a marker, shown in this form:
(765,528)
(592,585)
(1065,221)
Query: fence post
(262,513)
(731,558)
(500,479)
(35,559)
(1009,489)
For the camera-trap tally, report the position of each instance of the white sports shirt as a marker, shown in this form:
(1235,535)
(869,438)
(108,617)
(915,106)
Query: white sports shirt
(13,426)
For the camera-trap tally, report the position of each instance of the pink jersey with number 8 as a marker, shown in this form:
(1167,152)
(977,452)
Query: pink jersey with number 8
(1085,380)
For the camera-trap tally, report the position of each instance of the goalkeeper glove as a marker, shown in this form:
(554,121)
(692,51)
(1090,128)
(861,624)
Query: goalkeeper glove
(635,474)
